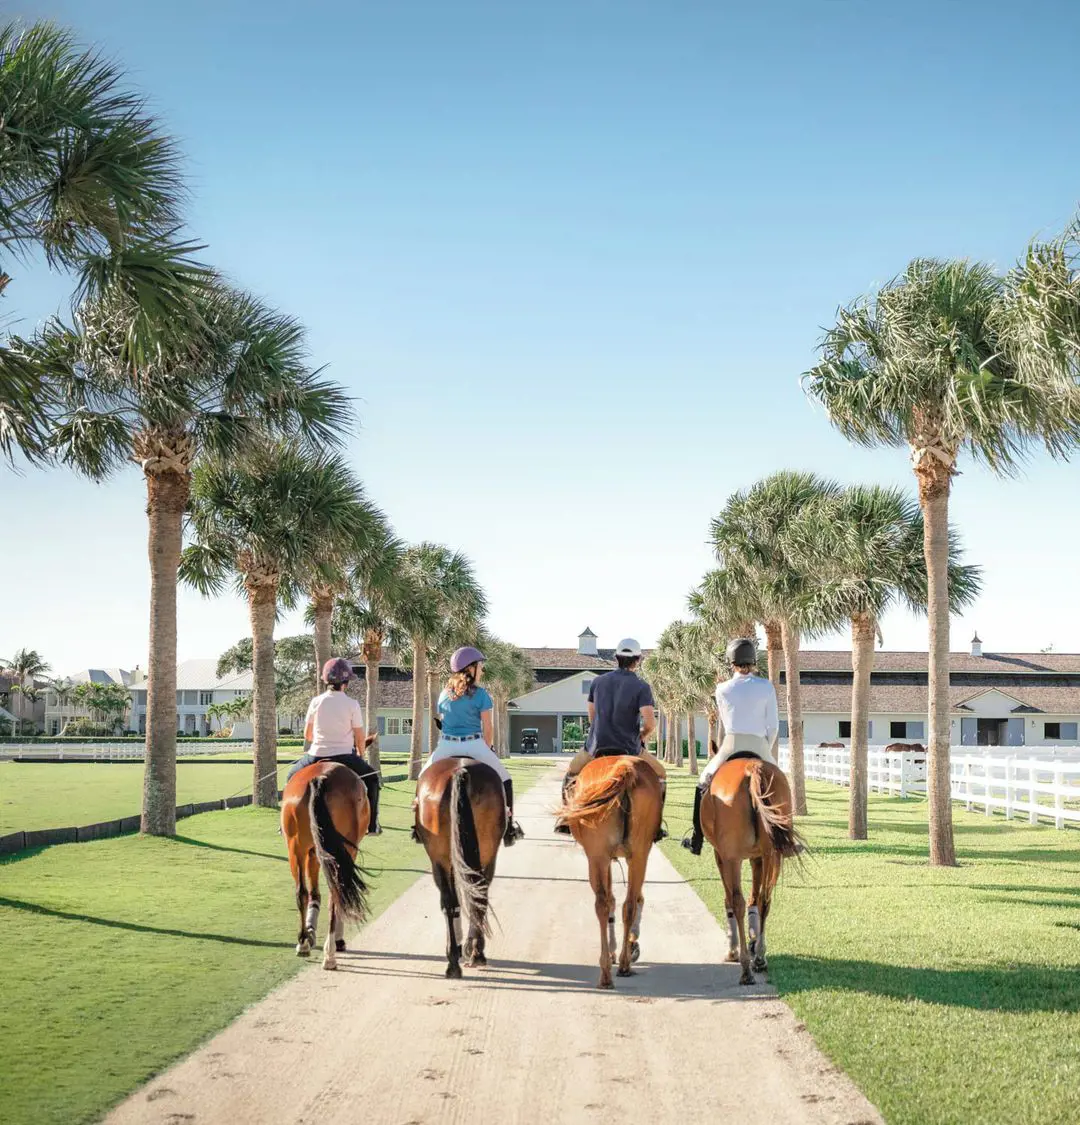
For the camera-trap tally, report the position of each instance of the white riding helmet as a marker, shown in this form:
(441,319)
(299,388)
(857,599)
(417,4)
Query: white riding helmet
(628,647)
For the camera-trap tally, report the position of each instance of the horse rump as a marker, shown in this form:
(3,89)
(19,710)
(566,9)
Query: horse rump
(466,864)
(774,810)
(344,875)
(593,799)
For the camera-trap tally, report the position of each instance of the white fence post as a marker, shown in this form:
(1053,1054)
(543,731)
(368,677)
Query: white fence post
(1059,797)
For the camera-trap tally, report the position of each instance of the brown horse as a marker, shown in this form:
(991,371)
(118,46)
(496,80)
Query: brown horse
(614,812)
(747,814)
(460,820)
(324,815)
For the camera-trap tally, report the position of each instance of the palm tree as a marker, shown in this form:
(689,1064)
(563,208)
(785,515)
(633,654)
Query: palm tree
(242,374)
(89,181)
(749,537)
(449,602)
(865,548)
(262,520)
(951,356)
(24,667)
(507,673)
(379,597)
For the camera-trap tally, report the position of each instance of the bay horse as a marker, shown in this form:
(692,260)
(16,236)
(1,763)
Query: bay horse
(613,811)
(325,814)
(748,814)
(461,820)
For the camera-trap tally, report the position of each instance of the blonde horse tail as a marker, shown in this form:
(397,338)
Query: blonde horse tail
(465,865)
(592,801)
(775,818)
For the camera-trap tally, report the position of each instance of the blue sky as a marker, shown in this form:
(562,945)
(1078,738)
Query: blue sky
(571,258)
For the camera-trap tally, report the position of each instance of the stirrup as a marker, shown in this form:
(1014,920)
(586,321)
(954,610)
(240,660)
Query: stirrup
(692,846)
(661,833)
(563,828)
(414,835)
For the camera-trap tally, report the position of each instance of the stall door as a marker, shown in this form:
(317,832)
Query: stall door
(969,732)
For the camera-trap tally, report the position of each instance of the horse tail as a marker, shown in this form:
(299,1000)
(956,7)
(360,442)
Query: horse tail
(345,877)
(774,819)
(593,801)
(465,864)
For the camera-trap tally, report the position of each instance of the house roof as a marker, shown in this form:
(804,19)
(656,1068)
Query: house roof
(911,699)
(201,675)
(588,633)
(1006,663)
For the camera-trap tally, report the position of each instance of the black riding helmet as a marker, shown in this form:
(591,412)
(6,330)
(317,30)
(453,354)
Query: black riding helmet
(742,651)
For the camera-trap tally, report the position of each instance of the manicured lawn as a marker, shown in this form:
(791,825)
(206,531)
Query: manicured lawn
(950,996)
(46,795)
(121,955)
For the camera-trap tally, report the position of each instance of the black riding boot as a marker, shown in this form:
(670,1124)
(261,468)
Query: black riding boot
(373,784)
(513,830)
(661,831)
(696,839)
(560,825)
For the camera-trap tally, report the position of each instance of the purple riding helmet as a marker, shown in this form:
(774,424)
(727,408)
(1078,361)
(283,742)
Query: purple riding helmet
(337,671)
(464,657)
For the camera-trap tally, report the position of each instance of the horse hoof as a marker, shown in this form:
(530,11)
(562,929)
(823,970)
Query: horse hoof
(732,955)
(627,972)
(747,977)
(453,972)
(635,953)
(606,984)
(330,966)
(302,950)
(761,965)
(478,961)
(339,945)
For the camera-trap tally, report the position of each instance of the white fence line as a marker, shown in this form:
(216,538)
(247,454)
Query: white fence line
(113,751)
(1044,782)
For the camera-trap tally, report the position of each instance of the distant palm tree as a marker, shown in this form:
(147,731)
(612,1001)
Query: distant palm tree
(449,601)
(242,375)
(24,668)
(507,673)
(749,537)
(89,180)
(262,520)
(946,357)
(865,548)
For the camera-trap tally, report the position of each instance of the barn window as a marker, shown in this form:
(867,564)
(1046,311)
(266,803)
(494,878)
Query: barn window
(1051,730)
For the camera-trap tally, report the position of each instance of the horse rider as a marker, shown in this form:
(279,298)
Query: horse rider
(622,715)
(747,706)
(334,731)
(464,718)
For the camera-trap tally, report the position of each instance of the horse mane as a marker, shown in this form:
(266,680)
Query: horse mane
(777,825)
(593,799)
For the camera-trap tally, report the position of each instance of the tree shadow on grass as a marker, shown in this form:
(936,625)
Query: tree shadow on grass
(134,927)
(1021,988)
(192,842)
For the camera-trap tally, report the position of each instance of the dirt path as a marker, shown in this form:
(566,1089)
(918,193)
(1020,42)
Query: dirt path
(387,1039)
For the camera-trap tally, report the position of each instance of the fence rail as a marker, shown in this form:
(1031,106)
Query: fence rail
(112,751)
(1042,783)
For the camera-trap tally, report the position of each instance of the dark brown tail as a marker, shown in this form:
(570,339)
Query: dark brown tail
(469,881)
(345,878)
(592,802)
(776,823)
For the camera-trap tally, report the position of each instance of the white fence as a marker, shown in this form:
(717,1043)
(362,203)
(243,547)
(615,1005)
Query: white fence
(113,751)
(1044,782)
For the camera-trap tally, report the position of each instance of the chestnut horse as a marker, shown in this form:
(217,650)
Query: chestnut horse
(613,812)
(324,815)
(460,820)
(747,814)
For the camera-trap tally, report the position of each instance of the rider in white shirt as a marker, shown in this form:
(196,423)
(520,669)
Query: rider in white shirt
(748,712)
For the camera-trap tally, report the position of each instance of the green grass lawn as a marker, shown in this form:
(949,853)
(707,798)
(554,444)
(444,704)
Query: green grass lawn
(121,955)
(46,795)
(950,996)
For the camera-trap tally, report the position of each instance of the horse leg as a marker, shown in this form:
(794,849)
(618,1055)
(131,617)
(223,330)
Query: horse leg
(755,914)
(311,878)
(451,909)
(635,930)
(733,930)
(303,946)
(339,932)
(329,960)
(600,880)
(631,911)
(731,873)
(771,874)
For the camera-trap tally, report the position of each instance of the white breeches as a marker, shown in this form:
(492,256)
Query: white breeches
(475,748)
(733,743)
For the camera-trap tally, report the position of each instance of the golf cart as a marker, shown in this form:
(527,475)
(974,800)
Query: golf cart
(530,740)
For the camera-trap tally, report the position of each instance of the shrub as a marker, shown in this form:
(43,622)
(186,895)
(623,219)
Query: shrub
(77,728)
(284,730)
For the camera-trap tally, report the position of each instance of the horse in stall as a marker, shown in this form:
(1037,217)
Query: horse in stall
(748,814)
(460,820)
(325,814)
(613,812)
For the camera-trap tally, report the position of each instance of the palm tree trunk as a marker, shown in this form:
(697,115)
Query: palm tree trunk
(775,652)
(433,692)
(691,741)
(262,600)
(794,715)
(167,498)
(863,635)
(373,644)
(322,607)
(419,679)
(934,487)
(496,725)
